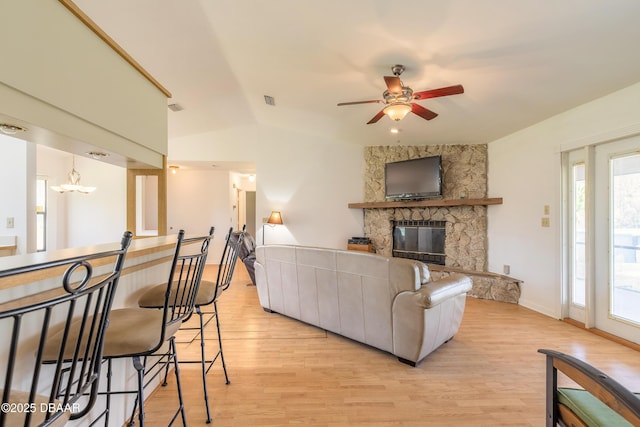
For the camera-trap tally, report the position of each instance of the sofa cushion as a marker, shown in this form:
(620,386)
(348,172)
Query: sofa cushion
(425,275)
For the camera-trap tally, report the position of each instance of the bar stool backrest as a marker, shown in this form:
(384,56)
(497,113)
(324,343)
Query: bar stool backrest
(184,279)
(232,245)
(37,394)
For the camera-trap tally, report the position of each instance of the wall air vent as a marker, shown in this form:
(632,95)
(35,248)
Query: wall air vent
(270,100)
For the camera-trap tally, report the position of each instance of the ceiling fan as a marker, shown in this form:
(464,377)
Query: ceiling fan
(398,98)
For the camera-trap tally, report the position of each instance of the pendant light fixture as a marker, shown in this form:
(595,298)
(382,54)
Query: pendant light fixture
(73,183)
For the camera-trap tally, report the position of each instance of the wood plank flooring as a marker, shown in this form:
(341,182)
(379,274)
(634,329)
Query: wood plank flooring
(284,372)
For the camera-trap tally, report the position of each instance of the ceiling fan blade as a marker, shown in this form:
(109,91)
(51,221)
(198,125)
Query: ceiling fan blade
(423,112)
(443,91)
(393,84)
(359,102)
(376,117)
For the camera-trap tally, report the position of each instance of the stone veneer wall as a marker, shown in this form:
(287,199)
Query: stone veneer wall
(487,286)
(464,176)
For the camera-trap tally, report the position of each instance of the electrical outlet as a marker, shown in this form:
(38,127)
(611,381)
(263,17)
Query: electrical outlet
(10,222)
(545,222)
(546,209)
(506,269)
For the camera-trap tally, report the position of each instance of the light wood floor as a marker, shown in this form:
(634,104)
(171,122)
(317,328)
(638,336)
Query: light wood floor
(284,372)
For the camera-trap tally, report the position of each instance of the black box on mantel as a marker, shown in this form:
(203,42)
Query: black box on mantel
(359,241)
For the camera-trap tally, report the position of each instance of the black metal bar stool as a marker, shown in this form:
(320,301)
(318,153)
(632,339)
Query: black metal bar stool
(140,332)
(34,394)
(207,296)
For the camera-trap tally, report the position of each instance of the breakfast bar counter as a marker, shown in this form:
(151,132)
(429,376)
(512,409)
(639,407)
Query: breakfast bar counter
(144,258)
(147,263)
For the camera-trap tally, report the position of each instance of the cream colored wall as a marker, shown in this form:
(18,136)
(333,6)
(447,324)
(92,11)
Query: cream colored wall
(74,92)
(63,78)
(525,169)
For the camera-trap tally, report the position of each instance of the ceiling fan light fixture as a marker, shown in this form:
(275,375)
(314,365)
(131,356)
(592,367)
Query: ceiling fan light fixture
(397,111)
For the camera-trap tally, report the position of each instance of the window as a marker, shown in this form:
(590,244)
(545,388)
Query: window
(579,221)
(41,214)
(625,233)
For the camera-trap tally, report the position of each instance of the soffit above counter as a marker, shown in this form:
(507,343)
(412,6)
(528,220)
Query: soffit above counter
(76,92)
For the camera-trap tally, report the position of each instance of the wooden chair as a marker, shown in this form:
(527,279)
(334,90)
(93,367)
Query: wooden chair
(601,402)
(42,390)
(208,295)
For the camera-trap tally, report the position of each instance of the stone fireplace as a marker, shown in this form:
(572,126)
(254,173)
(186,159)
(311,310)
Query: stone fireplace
(464,176)
(462,212)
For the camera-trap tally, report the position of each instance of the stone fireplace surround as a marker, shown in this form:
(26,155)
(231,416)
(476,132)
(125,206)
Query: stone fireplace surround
(464,177)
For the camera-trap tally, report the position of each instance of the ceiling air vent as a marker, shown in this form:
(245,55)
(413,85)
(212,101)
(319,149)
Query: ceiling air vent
(176,107)
(269,100)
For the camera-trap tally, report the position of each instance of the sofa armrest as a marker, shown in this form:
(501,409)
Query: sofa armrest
(437,291)
(425,319)
(261,285)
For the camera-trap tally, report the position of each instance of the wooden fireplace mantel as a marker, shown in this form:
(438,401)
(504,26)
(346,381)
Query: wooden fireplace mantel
(427,203)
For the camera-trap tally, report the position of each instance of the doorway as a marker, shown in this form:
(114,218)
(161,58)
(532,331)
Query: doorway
(247,211)
(603,238)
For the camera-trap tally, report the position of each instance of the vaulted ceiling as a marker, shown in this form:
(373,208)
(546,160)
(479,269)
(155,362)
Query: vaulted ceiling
(519,61)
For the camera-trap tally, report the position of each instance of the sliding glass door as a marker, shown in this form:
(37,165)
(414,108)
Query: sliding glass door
(603,238)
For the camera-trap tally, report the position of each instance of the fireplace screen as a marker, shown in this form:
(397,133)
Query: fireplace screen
(420,240)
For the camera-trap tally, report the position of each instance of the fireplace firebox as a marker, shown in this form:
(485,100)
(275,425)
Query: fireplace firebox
(421,240)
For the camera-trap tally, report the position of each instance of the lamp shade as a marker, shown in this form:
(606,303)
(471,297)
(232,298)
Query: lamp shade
(275,218)
(397,111)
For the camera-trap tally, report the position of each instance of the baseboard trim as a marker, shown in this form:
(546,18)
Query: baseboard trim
(603,334)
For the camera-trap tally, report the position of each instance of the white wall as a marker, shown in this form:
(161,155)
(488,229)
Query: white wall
(99,217)
(310,182)
(309,179)
(13,191)
(197,200)
(525,169)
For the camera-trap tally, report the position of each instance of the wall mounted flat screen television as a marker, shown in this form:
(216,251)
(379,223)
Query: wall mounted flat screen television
(414,179)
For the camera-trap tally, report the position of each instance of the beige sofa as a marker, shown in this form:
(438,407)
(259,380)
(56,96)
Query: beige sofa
(387,303)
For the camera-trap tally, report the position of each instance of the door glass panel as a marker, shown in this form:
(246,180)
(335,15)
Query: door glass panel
(625,253)
(579,266)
